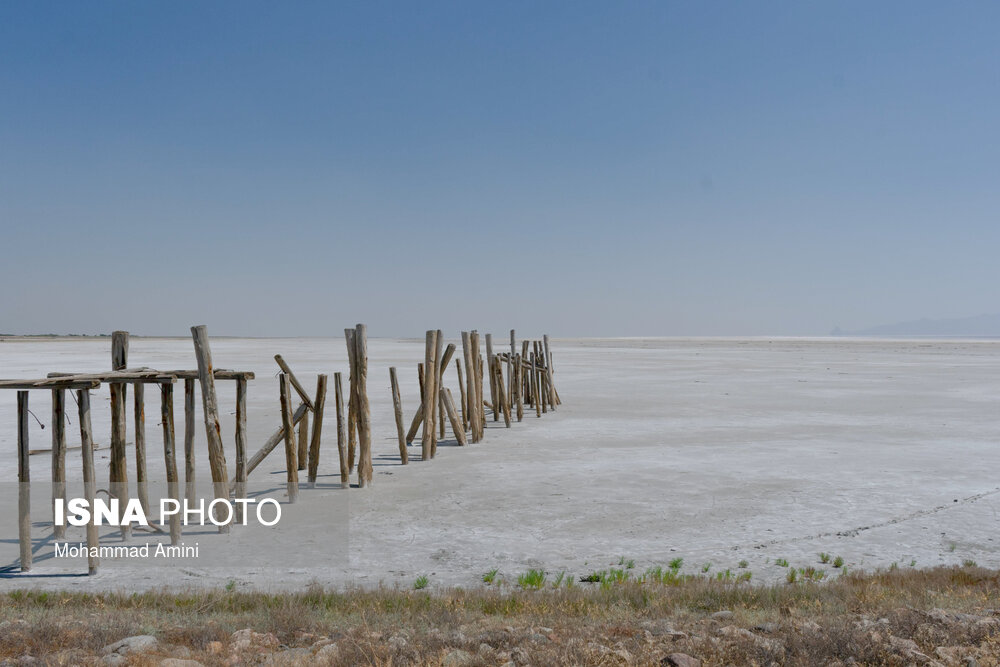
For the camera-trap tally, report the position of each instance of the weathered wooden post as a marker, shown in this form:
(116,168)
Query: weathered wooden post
(439,408)
(303,454)
(319,405)
(170,454)
(58,455)
(549,372)
(190,484)
(291,466)
(528,379)
(516,386)
(461,390)
(472,408)
(494,404)
(501,392)
(23,482)
(397,408)
(536,386)
(477,361)
(118,476)
(430,394)
(240,490)
(209,405)
(352,399)
(345,471)
(510,368)
(89,480)
(141,481)
(365,471)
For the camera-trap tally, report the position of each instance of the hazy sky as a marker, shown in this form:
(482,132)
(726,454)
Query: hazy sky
(612,168)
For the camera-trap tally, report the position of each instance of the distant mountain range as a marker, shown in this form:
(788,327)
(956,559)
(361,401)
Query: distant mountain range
(980,326)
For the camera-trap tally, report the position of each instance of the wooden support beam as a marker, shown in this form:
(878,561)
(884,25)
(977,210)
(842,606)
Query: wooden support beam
(210,408)
(319,405)
(291,466)
(118,471)
(89,479)
(299,389)
(58,456)
(190,484)
(240,487)
(345,471)
(23,482)
(536,386)
(170,455)
(276,437)
(365,471)
(25,385)
(141,479)
(397,408)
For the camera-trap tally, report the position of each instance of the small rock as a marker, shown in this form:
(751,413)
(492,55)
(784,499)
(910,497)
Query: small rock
(328,653)
(178,662)
(458,658)
(136,644)
(680,660)
(766,627)
(290,658)
(723,615)
(113,659)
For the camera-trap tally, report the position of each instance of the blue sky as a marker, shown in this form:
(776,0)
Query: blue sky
(634,168)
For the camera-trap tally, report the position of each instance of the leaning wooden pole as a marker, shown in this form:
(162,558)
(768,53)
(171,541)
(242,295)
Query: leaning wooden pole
(58,455)
(397,409)
(23,482)
(319,405)
(553,397)
(118,475)
(240,489)
(89,479)
(291,466)
(170,455)
(456,424)
(345,471)
(365,471)
(210,407)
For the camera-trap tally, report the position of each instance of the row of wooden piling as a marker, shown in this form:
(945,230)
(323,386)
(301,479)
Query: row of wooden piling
(528,382)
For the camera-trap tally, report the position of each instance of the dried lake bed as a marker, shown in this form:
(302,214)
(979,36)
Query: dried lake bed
(716,451)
